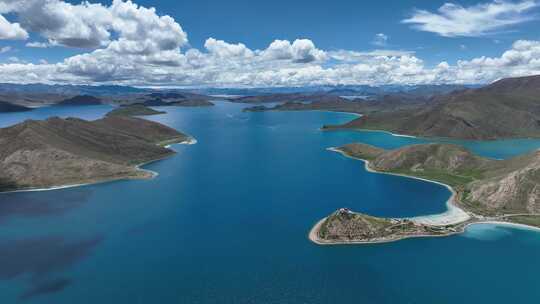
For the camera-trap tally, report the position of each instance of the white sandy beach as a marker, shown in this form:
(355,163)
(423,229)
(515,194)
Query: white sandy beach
(509,224)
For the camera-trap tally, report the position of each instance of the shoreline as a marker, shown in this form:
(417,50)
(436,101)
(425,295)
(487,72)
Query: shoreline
(503,223)
(369,130)
(387,132)
(313,233)
(337,128)
(330,111)
(153,174)
(454,215)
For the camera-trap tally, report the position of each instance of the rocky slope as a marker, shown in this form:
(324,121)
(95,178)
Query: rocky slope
(53,152)
(508,108)
(511,186)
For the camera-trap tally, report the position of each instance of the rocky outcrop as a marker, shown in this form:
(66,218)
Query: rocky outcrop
(514,191)
(346,225)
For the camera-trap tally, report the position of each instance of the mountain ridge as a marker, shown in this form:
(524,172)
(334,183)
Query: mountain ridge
(508,108)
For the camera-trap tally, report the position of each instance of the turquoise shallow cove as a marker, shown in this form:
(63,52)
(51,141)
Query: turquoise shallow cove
(226,221)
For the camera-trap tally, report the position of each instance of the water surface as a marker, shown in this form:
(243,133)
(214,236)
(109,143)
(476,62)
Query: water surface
(226,221)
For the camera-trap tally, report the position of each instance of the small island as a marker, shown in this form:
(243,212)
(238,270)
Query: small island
(58,152)
(134,110)
(483,190)
(175,99)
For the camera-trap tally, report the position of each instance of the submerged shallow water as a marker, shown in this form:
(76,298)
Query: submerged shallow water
(226,221)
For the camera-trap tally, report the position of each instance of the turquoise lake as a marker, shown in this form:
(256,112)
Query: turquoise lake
(226,221)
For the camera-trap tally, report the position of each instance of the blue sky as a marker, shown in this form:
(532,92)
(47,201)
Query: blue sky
(334,25)
(417,36)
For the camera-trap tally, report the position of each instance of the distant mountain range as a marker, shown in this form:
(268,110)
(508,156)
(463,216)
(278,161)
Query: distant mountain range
(69,89)
(342,90)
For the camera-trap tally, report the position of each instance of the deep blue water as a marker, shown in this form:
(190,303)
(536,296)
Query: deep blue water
(226,221)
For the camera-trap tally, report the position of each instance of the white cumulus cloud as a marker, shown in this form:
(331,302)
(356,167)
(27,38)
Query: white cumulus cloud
(11,31)
(454,20)
(301,50)
(134,45)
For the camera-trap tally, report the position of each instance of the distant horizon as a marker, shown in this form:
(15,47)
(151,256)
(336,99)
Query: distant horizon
(178,87)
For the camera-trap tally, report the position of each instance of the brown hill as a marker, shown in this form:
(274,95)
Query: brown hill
(485,186)
(508,108)
(80,100)
(53,152)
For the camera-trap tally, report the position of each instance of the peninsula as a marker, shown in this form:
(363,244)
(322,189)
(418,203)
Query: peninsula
(484,190)
(59,152)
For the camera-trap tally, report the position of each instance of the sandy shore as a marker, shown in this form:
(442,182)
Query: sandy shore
(453,214)
(501,223)
(190,141)
(369,130)
(387,132)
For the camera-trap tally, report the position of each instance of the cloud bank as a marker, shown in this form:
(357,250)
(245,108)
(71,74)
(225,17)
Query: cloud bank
(125,43)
